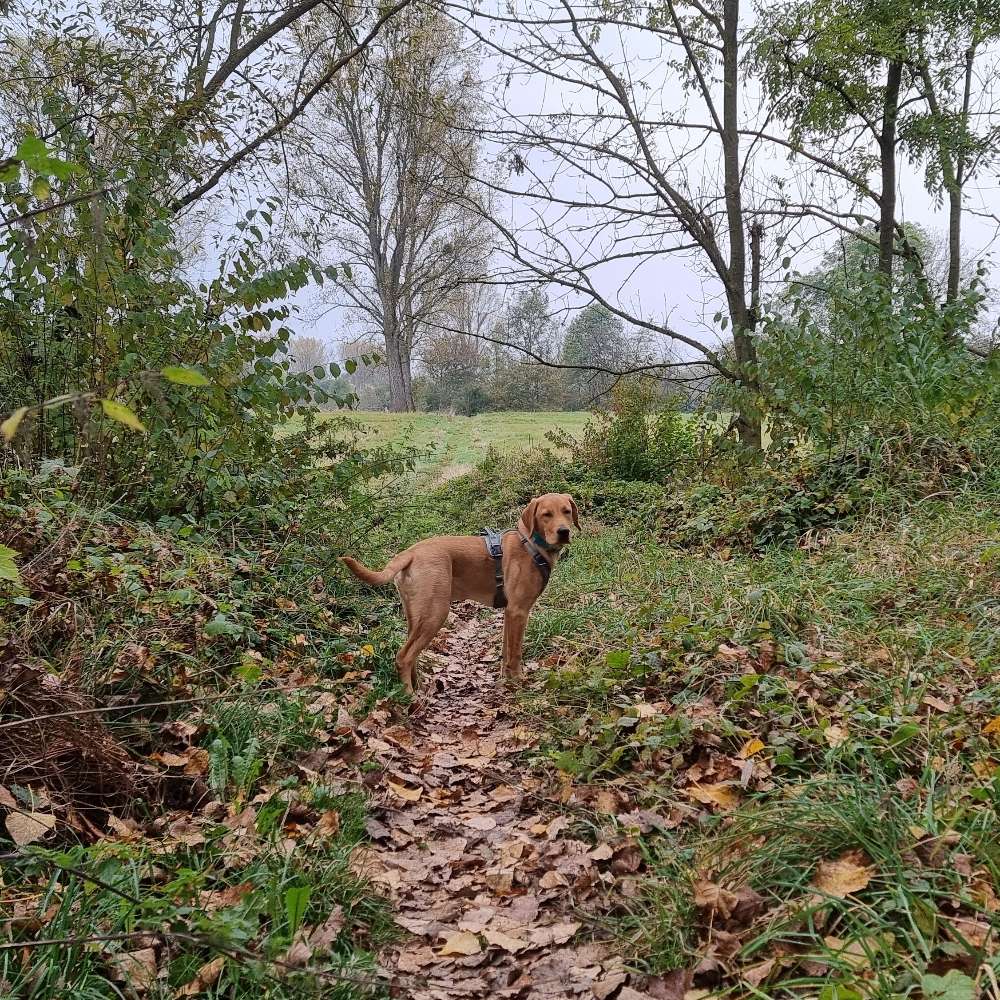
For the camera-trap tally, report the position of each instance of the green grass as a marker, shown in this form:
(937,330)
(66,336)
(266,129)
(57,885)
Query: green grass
(452,445)
(865,663)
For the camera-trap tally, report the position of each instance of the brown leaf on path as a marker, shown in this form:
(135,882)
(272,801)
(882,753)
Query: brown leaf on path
(848,873)
(940,704)
(505,941)
(835,736)
(553,934)
(553,880)
(626,859)
(328,824)
(670,985)
(460,943)
(756,974)
(483,823)
(27,827)
(205,977)
(407,794)
(211,900)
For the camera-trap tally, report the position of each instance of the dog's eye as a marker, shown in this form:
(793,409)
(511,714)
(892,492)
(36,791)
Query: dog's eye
(548,513)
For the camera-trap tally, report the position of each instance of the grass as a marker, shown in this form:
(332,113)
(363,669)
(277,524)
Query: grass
(799,706)
(451,445)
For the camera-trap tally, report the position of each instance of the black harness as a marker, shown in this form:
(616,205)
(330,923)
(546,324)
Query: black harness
(494,546)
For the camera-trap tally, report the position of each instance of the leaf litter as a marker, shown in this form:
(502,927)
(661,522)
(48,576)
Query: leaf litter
(494,882)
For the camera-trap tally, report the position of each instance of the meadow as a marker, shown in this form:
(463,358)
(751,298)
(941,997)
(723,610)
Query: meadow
(450,445)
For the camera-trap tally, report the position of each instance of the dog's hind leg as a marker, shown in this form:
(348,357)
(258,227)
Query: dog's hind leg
(426,605)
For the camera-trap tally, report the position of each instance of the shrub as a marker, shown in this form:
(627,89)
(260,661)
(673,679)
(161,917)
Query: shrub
(641,436)
(880,370)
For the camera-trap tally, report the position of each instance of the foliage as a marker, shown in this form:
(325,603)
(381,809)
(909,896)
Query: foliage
(880,369)
(640,436)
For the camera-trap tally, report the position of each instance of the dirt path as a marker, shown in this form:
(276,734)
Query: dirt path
(484,869)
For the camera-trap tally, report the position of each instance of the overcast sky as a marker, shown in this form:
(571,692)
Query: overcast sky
(670,286)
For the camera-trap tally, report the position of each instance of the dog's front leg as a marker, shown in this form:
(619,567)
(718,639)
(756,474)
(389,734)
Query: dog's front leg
(514,622)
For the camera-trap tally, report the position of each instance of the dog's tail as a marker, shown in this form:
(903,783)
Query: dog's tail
(377,578)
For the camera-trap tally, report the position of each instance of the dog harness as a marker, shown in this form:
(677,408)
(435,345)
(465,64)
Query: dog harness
(494,546)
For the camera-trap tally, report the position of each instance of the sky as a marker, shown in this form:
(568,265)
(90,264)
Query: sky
(669,287)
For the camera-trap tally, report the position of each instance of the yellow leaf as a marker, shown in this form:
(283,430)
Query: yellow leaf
(842,877)
(9,427)
(992,727)
(751,747)
(121,413)
(368,650)
(722,795)
(409,794)
(462,943)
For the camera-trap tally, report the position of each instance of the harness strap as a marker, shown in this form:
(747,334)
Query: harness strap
(544,566)
(494,546)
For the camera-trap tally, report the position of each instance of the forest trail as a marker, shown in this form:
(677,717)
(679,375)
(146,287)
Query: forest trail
(484,867)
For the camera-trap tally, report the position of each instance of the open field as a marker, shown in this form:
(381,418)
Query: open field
(452,445)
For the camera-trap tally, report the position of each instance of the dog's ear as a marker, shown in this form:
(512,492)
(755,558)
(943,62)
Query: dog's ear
(576,513)
(529,516)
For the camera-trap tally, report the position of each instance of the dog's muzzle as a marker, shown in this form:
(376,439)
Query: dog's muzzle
(563,534)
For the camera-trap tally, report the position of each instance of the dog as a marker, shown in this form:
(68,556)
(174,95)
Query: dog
(433,573)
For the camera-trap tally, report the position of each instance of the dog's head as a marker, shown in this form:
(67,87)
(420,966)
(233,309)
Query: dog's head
(550,519)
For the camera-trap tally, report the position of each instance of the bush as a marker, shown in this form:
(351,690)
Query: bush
(879,370)
(642,436)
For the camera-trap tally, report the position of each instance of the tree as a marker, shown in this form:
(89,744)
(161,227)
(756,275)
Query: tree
(307,353)
(616,178)
(863,81)
(387,179)
(597,339)
(523,380)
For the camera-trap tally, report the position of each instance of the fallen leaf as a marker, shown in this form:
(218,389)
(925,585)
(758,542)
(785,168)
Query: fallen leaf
(553,880)
(835,736)
(938,703)
(407,794)
(751,747)
(205,977)
(27,827)
(462,943)
(993,726)
(842,877)
(483,823)
(723,795)
(505,941)
(756,974)
(218,899)
(328,825)
(136,968)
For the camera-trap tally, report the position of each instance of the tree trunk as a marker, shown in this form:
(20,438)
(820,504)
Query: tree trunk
(400,382)
(743,319)
(887,155)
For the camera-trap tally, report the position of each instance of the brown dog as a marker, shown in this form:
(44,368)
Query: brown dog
(435,572)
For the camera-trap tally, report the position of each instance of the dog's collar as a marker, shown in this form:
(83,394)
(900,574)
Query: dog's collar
(539,540)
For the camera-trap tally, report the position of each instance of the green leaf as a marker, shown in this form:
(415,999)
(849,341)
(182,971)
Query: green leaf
(41,188)
(334,369)
(351,365)
(904,734)
(953,986)
(8,429)
(618,658)
(182,375)
(8,568)
(121,413)
(296,901)
(786,262)
(834,991)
